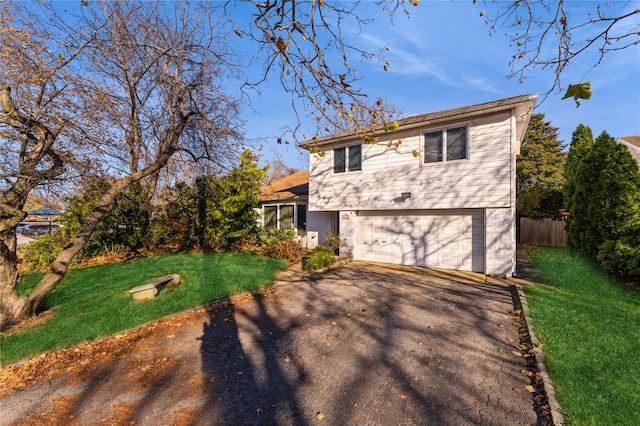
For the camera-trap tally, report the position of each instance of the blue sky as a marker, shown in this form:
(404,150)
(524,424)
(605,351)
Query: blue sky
(443,56)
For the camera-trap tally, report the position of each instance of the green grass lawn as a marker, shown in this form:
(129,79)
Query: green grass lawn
(589,326)
(94,302)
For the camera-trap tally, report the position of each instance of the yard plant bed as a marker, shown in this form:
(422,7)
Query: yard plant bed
(94,302)
(588,326)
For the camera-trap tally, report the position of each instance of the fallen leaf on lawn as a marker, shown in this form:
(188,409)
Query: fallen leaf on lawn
(521,347)
(516,353)
(334,323)
(402,396)
(530,388)
(287,359)
(343,283)
(518,390)
(527,373)
(319,415)
(432,327)
(355,418)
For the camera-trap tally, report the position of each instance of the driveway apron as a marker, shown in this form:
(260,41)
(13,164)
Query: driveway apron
(363,344)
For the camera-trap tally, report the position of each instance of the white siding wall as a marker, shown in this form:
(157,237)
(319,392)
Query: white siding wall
(484,180)
(322,223)
(500,241)
(347,233)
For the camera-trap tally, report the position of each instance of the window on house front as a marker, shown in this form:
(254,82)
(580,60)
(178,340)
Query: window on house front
(445,145)
(286,217)
(347,158)
(283,216)
(270,217)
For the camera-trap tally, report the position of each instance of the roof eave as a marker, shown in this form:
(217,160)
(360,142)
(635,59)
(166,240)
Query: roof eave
(522,107)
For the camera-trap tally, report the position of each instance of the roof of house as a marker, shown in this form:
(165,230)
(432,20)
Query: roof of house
(633,140)
(521,105)
(45,211)
(292,186)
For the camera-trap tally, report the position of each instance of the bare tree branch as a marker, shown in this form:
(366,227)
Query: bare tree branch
(553,34)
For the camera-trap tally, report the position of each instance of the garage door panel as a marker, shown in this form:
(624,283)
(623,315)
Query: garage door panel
(444,239)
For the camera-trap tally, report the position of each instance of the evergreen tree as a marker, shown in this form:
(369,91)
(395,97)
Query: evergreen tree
(603,181)
(226,204)
(539,170)
(615,208)
(576,194)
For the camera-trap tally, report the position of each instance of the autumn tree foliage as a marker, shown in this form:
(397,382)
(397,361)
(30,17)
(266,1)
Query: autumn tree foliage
(553,35)
(127,89)
(539,176)
(603,199)
(118,89)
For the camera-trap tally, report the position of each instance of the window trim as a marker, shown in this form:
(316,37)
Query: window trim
(443,132)
(347,159)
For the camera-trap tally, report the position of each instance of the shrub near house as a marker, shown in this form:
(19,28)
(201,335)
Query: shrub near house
(321,257)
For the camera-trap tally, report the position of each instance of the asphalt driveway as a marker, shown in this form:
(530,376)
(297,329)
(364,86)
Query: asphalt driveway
(360,344)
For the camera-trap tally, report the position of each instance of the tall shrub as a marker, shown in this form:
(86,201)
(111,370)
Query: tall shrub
(576,186)
(603,181)
(226,204)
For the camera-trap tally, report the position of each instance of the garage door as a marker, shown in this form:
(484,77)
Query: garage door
(438,239)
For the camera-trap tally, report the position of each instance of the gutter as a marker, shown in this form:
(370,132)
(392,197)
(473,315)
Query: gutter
(438,118)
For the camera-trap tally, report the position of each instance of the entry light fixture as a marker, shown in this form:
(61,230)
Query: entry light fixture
(405,195)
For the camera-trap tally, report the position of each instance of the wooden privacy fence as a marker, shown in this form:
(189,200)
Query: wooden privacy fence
(542,232)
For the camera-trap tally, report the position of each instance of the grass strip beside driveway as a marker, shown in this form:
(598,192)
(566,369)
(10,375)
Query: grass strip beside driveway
(589,326)
(94,302)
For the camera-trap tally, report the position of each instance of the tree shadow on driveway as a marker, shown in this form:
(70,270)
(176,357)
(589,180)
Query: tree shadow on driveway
(366,344)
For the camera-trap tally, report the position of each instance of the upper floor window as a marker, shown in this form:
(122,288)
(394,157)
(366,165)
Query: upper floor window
(348,158)
(445,145)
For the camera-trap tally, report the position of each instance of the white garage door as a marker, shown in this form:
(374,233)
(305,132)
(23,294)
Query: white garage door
(438,239)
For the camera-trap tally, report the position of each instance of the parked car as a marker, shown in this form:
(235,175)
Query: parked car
(38,230)
(21,226)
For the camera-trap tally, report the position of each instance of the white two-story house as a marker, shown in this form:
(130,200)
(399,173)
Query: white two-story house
(444,197)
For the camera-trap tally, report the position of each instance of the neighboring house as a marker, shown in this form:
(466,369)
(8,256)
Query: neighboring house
(283,205)
(444,197)
(43,215)
(633,144)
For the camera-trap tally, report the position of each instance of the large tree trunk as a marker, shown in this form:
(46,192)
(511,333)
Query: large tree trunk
(14,308)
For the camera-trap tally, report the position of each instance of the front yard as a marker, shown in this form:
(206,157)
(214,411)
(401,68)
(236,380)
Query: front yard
(94,302)
(589,326)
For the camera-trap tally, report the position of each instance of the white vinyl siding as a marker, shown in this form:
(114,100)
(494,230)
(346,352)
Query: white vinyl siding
(484,180)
